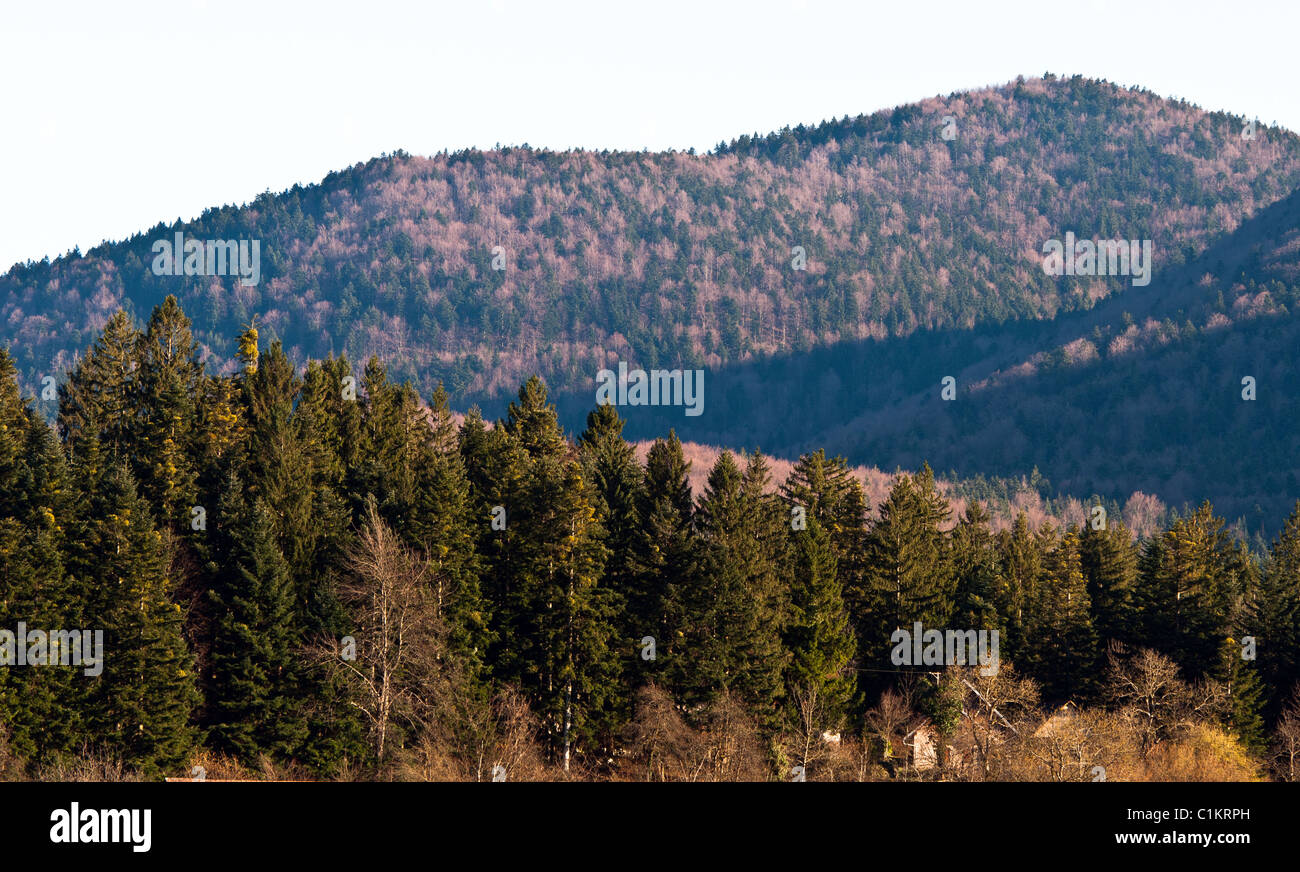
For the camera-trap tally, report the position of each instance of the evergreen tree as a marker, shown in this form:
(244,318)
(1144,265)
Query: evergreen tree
(169,378)
(818,636)
(907,568)
(532,421)
(443,526)
(730,616)
(561,624)
(1061,647)
(141,706)
(1020,562)
(251,691)
(830,492)
(1188,576)
(1246,696)
(1109,558)
(38,706)
(1276,614)
(610,465)
(975,567)
(100,398)
(664,551)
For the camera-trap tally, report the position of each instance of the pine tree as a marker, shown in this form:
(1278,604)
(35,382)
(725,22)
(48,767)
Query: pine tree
(908,571)
(1276,615)
(1185,597)
(1109,558)
(819,636)
(443,526)
(975,566)
(100,399)
(1020,568)
(1061,650)
(168,383)
(141,706)
(253,683)
(1246,697)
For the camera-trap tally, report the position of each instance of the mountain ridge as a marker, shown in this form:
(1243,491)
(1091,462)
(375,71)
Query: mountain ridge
(923,259)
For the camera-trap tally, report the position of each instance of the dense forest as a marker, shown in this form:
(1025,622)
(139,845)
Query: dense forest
(827,278)
(302,572)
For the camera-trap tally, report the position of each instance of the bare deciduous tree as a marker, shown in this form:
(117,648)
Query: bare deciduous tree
(397,631)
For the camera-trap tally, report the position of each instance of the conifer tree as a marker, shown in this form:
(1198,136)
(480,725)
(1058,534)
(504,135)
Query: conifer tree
(1061,647)
(393,429)
(168,379)
(1246,696)
(1276,615)
(443,526)
(830,492)
(141,706)
(610,465)
(100,398)
(39,706)
(533,423)
(708,610)
(975,567)
(818,635)
(309,526)
(561,627)
(730,616)
(252,705)
(665,552)
(1109,558)
(1020,569)
(1186,592)
(907,568)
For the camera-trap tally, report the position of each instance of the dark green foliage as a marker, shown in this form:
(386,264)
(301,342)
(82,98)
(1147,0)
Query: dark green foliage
(545,571)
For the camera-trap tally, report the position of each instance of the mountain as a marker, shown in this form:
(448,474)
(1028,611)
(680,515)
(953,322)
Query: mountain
(922,230)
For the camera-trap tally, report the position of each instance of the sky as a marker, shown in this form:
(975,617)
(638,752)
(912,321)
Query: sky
(115,116)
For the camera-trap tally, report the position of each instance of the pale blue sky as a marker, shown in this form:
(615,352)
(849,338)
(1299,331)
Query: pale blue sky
(117,116)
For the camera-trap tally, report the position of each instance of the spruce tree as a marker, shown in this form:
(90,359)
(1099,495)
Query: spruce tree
(609,464)
(1246,696)
(40,707)
(1109,558)
(253,687)
(141,706)
(1185,598)
(443,526)
(169,379)
(975,567)
(818,635)
(664,551)
(1061,646)
(1276,615)
(1020,569)
(100,398)
(907,568)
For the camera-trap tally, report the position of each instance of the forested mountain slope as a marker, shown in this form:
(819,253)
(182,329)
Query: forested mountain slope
(922,228)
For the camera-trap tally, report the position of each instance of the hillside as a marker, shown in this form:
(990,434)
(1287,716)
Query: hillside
(923,259)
